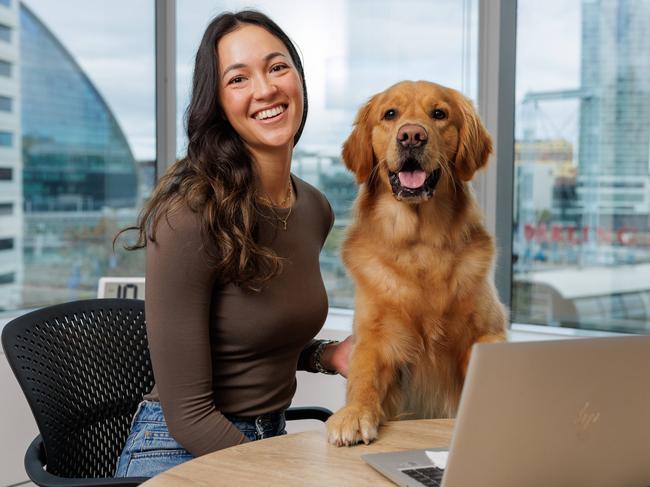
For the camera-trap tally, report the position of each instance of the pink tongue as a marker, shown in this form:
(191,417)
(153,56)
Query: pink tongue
(413,179)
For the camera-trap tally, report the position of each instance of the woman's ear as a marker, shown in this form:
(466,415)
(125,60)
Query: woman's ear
(357,149)
(474,144)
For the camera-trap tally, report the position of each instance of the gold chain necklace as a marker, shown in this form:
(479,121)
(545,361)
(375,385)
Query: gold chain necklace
(284,202)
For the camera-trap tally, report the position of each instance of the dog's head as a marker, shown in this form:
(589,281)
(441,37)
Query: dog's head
(413,135)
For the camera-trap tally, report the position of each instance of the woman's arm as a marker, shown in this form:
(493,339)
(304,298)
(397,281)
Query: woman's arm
(178,297)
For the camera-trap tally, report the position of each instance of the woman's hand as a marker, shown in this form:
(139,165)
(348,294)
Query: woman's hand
(336,356)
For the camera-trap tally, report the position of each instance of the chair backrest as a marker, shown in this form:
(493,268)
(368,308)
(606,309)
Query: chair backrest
(84,367)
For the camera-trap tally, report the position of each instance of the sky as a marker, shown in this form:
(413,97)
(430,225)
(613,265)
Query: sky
(113,41)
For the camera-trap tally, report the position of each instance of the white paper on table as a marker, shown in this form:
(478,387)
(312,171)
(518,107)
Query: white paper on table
(438,458)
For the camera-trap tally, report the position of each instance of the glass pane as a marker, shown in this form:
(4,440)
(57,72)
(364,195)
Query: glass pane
(582,180)
(5,69)
(5,33)
(83,145)
(6,104)
(6,139)
(351,49)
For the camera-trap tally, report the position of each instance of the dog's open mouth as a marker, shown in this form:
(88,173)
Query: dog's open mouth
(412,182)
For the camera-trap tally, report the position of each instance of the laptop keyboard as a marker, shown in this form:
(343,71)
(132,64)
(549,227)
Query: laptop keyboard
(429,476)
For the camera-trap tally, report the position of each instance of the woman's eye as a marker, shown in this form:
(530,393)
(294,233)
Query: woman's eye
(439,114)
(390,114)
(278,67)
(235,80)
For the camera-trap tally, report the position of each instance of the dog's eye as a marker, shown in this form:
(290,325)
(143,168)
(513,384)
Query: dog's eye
(390,114)
(439,114)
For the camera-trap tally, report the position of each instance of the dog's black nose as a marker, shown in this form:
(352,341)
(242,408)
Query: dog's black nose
(412,135)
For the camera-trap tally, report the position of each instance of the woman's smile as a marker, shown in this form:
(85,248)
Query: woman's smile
(271,114)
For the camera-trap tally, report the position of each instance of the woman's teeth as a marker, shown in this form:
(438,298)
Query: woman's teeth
(264,114)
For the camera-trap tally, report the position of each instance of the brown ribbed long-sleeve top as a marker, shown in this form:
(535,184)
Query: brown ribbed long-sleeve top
(216,348)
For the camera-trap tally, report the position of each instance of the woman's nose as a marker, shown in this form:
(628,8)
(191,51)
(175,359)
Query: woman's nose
(264,87)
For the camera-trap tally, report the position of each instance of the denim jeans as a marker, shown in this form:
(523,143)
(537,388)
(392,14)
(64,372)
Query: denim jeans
(150,449)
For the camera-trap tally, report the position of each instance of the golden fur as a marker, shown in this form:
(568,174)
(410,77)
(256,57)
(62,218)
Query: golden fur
(422,264)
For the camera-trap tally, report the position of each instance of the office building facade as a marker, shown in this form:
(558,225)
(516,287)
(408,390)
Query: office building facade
(66,169)
(11,195)
(614,157)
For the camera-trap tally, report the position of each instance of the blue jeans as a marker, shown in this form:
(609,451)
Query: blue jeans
(150,449)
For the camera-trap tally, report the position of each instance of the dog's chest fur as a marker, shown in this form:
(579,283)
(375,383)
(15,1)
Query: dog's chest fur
(405,261)
(430,388)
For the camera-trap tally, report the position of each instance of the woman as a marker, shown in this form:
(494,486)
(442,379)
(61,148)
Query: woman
(234,293)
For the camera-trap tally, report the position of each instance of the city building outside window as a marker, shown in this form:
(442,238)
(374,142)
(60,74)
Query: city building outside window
(83,145)
(581,240)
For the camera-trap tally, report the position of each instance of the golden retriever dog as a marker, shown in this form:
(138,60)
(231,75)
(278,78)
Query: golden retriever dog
(420,257)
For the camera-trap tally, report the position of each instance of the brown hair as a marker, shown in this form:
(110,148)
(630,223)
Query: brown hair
(216,178)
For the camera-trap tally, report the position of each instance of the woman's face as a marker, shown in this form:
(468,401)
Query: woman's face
(259,88)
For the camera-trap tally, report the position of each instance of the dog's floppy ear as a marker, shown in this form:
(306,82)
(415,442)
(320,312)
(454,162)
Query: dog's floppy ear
(357,149)
(474,144)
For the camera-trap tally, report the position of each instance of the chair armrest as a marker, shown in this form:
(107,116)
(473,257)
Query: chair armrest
(35,461)
(298,413)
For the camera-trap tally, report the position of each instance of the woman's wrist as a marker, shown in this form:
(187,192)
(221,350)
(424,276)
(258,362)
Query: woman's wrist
(322,358)
(327,356)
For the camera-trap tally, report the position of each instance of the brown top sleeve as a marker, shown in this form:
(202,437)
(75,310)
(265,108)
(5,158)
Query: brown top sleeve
(178,295)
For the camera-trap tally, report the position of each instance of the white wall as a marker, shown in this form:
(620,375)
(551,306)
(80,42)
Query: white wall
(17,427)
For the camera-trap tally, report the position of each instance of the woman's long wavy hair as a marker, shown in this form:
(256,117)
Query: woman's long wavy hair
(216,178)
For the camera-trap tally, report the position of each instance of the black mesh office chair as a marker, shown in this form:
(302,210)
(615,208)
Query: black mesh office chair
(84,367)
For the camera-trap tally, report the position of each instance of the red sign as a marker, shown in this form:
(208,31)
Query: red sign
(571,235)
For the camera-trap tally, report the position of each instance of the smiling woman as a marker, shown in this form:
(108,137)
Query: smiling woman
(234,293)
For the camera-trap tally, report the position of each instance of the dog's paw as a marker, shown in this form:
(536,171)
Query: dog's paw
(351,425)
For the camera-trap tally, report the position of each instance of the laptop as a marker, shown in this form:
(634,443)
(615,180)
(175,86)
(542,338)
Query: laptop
(573,412)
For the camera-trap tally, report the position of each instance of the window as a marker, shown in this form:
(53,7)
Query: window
(5,33)
(582,190)
(6,139)
(5,69)
(7,277)
(350,50)
(6,174)
(6,243)
(86,130)
(6,104)
(6,209)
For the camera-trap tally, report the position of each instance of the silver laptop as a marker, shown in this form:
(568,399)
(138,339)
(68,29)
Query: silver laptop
(565,413)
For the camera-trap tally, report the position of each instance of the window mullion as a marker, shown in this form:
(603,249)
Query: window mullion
(165,85)
(496,102)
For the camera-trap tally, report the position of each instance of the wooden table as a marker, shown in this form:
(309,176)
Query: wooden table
(304,459)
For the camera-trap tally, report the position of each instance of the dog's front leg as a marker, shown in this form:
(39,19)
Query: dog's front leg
(372,372)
